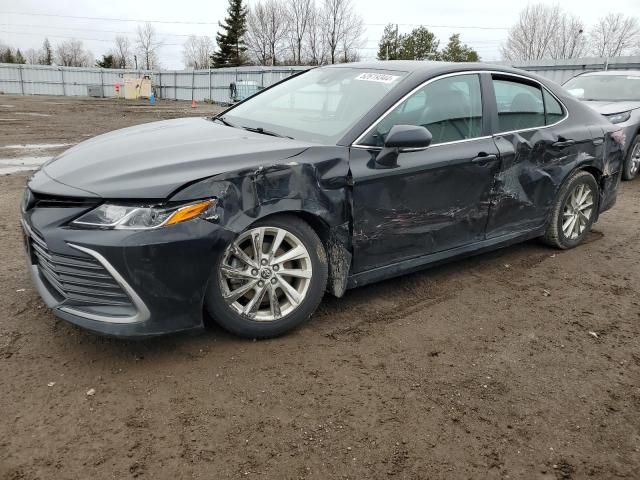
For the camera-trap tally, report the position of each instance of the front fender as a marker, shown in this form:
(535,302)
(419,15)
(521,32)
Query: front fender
(314,183)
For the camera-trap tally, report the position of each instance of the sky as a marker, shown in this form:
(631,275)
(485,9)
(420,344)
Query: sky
(482,24)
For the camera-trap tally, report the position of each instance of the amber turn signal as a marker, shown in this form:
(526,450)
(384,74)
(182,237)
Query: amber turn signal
(189,212)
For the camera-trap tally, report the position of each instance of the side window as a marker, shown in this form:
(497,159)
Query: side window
(451,108)
(553,108)
(520,105)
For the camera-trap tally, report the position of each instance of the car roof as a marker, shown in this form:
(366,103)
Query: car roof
(427,66)
(627,73)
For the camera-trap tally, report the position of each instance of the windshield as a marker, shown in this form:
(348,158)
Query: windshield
(613,88)
(317,106)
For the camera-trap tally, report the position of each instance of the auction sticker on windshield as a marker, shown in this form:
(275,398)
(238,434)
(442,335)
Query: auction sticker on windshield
(378,77)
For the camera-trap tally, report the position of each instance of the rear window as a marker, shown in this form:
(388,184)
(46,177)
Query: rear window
(523,105)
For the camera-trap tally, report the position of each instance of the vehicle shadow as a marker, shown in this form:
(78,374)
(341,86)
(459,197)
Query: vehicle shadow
(333,314)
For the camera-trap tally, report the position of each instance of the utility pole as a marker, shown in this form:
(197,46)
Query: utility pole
(396,42)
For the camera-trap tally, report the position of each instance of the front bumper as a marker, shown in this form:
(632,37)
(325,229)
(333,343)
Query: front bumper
(146,282)
(630,131)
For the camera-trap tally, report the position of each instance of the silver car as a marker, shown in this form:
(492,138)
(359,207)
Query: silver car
(616,95)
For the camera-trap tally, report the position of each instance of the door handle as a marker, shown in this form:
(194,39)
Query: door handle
(483,158)
(563,143)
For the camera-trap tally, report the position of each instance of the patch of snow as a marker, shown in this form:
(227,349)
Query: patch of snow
(21,164)
(38,146)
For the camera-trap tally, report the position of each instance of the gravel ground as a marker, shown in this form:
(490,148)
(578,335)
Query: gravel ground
(522,363)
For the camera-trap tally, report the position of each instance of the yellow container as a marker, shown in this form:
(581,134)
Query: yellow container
(135,88)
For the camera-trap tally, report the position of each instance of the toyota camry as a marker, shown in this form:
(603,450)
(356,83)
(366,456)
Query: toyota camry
(335,178)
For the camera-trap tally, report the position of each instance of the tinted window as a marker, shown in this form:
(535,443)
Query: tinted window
(520,105)
(451,108)
(553,108)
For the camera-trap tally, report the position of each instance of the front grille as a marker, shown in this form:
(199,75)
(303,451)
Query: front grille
(41,200)
(79,281)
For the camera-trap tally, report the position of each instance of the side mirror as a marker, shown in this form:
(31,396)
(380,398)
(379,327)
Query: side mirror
(408,136)
(402,137)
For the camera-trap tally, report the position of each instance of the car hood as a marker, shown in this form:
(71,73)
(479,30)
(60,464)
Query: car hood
(609,108)
(155,159)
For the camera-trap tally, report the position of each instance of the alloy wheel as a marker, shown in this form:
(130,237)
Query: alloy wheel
(578,211)
(635,160)
(265,273)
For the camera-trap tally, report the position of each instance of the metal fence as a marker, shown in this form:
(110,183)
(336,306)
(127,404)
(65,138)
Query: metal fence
(562,70)
(213,85)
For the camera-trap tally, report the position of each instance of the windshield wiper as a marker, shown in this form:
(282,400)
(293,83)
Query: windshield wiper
(223,121)
(265,132)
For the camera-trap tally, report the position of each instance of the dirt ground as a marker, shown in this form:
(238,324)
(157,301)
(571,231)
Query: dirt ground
(522,363)
(59,122)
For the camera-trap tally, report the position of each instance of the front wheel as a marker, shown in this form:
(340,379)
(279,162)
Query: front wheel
(632,164)
(574,212)
(269,280)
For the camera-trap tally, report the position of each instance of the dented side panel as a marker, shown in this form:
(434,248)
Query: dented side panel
(314,182)
(434,200)
(534,165)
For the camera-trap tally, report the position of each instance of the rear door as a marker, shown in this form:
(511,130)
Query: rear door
(537,149)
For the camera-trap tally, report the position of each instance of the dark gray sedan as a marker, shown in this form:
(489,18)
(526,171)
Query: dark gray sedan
(338,177)
(616,95)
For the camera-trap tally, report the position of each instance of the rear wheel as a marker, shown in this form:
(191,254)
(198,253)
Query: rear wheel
(574,212)
(632,164)
(269,280)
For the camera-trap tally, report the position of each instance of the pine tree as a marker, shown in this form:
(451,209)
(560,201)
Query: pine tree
(230,39)
(456,51)
(20,58)
(46,56)
(388,47)
(7,56)
(106,62)
(420,44)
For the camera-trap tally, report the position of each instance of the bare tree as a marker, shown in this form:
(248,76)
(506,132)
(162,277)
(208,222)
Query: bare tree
(197,51)
(531,37)
(71,53)
(32,56)
(316,44)
(352,37)
(569,40)
(299,13)
(333,15)
(342,27)
(122,56)
(267,27)
(256,39)
(148,45)
(614,35)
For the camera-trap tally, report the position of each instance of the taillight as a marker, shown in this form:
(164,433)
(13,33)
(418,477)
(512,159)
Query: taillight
(619,137)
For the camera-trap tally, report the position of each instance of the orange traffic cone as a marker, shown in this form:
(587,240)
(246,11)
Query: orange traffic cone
(193,103)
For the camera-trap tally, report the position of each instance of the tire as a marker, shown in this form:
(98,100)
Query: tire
(631,166)
(269,307)
(564,235)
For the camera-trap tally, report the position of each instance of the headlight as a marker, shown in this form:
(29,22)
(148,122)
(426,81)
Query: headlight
(128,217)
(619,117)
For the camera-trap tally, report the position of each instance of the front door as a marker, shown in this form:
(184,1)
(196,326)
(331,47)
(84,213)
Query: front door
(436,199)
